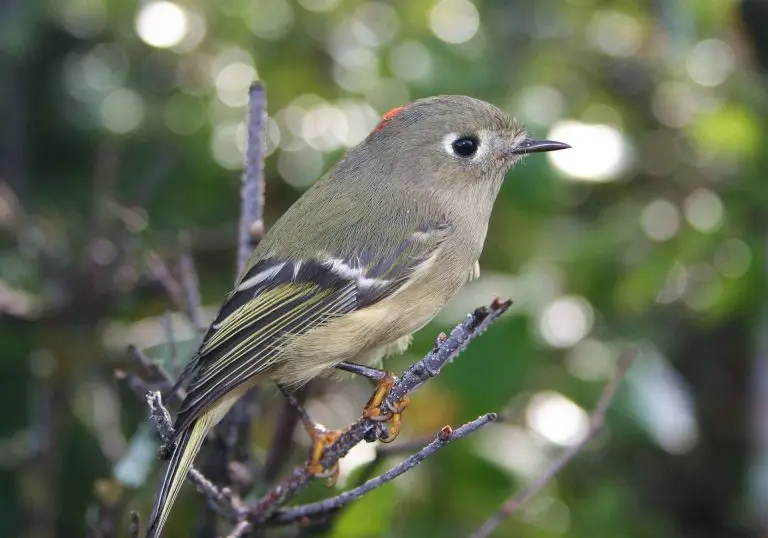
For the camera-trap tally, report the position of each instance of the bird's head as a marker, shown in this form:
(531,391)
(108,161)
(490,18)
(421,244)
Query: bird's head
(451,138)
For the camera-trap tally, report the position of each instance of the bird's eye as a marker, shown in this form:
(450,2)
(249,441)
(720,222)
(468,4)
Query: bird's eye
(466,146)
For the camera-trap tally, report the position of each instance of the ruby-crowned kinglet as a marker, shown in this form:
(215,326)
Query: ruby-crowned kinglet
(368,255)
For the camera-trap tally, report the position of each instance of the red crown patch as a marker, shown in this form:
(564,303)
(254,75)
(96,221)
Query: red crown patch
(387,117)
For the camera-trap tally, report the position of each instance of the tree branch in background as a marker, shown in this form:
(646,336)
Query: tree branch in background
(596,422)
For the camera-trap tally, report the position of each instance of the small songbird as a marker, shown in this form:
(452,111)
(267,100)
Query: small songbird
(368,255)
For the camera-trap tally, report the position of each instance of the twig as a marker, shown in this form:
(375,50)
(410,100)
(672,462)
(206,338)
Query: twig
(160,415)
(251,213)
(382,452)
(160,271)
(148,375)
(596,422)
(446,436)
(219,499)
(446,349)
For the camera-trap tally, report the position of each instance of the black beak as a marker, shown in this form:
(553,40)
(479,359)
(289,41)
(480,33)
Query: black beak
(537,146)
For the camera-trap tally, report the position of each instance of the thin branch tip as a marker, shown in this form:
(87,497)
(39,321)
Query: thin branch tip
(596,424)
(326,507)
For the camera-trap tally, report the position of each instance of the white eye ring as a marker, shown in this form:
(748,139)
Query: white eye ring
(449,146)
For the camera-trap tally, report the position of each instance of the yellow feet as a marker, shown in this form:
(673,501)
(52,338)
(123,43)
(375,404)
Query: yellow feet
(393,418)
(321,438)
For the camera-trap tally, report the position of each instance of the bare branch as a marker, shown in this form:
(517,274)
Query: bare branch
(220,500)
(160,271)
(446,436)
(446,349)
(184,293)
(147,375)
(160,415)
(251,214)
(597,420)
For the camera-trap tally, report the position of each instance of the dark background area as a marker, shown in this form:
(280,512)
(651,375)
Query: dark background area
(121,136)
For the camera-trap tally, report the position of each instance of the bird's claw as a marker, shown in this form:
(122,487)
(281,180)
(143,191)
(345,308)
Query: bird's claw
(393,417)
(321,438)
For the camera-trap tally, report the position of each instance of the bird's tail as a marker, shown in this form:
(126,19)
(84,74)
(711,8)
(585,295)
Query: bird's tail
(184,453)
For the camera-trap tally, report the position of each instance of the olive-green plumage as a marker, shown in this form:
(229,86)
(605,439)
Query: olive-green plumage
(368,255)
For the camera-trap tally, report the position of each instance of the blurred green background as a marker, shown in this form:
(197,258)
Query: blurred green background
(121,134)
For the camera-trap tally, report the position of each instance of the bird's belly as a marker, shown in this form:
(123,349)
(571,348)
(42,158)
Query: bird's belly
(375,357)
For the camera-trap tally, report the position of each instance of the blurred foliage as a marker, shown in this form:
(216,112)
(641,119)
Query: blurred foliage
(122,127)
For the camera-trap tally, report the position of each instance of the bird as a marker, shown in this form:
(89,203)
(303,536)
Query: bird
(367,256)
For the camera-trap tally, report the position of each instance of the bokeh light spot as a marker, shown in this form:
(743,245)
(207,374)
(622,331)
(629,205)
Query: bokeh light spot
(226,146)
(660,220)
(663,402)
(615,34)
(454,21)
(411,61)
(83,19)
(557,419)
(733,258)
(711,62)
(300,168)
(566,321)
(161,24)
(122,110)
(269,19)
(591,360)
(703,210)
(232,83)
(374,24)
(599,152)
(539,105)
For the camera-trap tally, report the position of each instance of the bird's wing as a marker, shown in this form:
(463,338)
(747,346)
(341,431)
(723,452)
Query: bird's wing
(278,298)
